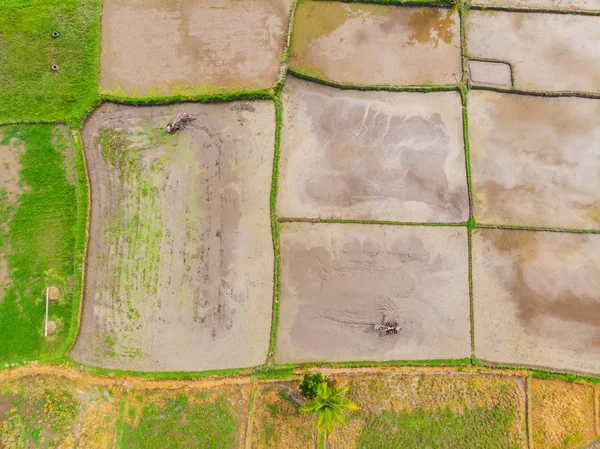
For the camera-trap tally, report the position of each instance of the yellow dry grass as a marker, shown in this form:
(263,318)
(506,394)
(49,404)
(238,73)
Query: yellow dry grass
(562,414)
(276,421)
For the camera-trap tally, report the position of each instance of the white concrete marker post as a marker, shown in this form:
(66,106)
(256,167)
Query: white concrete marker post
(46,323)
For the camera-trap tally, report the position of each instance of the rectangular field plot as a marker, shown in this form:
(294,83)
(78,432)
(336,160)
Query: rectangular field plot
(180,258)
(376,44)
(545,50)
(340,280)
(536,298)
(191,418)
(535,161)
(414,411)
(38,210)
(562,414)
(158,47)
(371,155)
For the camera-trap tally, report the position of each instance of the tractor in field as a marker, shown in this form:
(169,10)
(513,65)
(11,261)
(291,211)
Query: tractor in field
(181,121)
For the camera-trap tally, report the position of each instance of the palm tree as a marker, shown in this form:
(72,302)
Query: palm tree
(329,405)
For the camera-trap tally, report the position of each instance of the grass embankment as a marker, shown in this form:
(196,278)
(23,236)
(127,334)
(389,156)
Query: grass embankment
(37,241)
(29,89)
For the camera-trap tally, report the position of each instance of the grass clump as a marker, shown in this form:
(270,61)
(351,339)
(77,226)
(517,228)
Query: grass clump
(180,423)
(438,429)
(29,89)
(37,242)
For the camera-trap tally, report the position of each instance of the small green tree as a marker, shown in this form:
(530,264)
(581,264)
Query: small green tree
(329,404)
(310,384)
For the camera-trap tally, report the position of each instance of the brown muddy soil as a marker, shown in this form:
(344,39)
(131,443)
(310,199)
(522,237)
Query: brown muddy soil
(174,221)
(375,44)
(546,50)
(339,280)
(536,298)
(535,160)
(162,47)
(371,155)
(10,166)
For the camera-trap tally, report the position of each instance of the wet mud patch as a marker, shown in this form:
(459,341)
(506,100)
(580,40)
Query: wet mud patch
(535,160)
(544,49)
(174,220)
(376,44)
(371,155)
(562,414)
(161,47)
(536,296)
(340,280)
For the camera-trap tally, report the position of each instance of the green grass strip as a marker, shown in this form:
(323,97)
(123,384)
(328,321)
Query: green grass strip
(538,93)
(286,52)
(82,193)
(538,229)
(120,425)
(471,295)
(275,228)
(243,95)
(372,87)
(556,10)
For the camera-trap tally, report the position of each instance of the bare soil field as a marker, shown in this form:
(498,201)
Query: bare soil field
(541,59)
(339,280)
(563,414)
(371,155)
(536,298)
(164,47)
(174,221)
(554,4)
(376,44)
(395,410)
(535,160)
(10,166)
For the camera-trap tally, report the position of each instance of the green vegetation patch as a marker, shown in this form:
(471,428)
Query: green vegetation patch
(40,421)
(37,241)
(29,89)
(474,428)
(181,422)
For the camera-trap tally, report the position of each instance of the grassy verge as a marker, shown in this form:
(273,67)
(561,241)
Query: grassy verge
(81,237)
(244,95)
(378,87)
(275,227)
(29,89)
(39,244)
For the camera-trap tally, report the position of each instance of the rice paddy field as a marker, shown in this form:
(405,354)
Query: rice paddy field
(402,195)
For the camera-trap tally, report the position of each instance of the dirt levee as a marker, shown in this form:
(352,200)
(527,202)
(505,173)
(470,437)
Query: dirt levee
(158,47)
(535,160)
(536,298)
(546,50)
(339,280)
(376,44)
(175,221)
(371,155)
